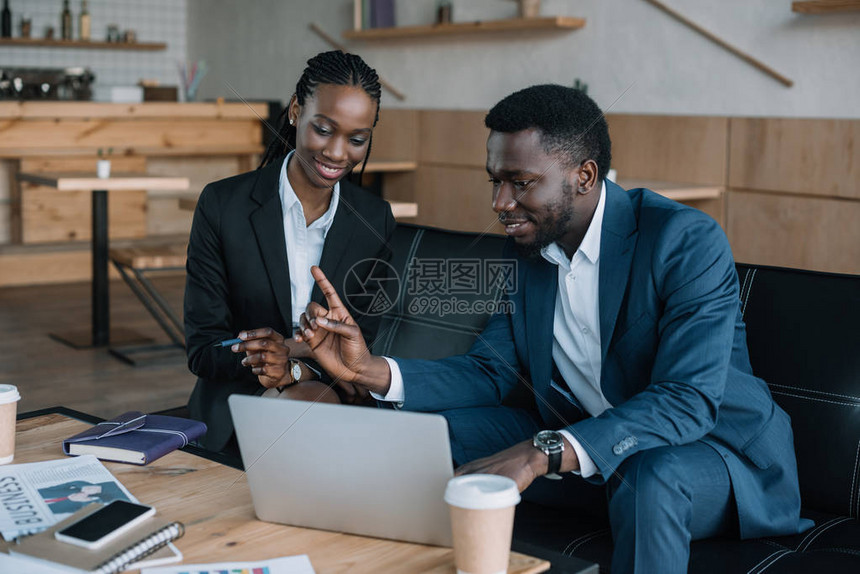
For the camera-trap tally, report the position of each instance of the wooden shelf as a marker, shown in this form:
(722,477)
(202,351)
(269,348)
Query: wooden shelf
(43,43)
(384,166)
(825,6)
(680,192)
(548,23)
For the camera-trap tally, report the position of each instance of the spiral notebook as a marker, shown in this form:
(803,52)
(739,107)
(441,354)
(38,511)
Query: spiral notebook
(147,540)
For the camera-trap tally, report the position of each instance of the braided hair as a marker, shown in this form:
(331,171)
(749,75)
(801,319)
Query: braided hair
(335,67)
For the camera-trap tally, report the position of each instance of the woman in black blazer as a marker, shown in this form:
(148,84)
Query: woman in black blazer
(256,235)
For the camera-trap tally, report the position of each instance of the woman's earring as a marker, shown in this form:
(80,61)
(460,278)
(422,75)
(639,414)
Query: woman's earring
(291,121)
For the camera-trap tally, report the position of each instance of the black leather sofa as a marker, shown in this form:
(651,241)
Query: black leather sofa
(804,340)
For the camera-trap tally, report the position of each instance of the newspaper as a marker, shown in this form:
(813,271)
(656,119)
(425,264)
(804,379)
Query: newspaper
(37,495)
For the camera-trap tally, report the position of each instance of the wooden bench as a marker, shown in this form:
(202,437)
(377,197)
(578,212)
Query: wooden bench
(133,264)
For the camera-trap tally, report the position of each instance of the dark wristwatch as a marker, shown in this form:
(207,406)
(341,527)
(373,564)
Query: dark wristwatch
(552,444)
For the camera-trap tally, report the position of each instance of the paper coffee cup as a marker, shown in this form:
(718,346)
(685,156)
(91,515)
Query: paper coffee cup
(482,521)
(8,409)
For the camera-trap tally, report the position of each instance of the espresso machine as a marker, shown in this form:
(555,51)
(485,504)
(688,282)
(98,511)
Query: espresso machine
(46,83)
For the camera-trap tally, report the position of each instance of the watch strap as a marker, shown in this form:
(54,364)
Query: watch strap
(554,462)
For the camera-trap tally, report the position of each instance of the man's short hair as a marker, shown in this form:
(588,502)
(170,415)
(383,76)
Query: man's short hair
(570,123)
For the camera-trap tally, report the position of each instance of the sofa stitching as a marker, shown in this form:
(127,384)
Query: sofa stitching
(776,559)
(744,286)
(852,551)
(582,540)
(774,544)
(814,391)
(815,399)
(854,481)
(811,540)
(575,540)
(766,558)
(816,529)
(749,290)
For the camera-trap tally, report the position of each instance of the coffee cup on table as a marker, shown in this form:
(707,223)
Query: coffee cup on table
(8,410)
(482,521)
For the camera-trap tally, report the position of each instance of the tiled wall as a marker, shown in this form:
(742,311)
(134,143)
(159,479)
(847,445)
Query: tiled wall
(152,20)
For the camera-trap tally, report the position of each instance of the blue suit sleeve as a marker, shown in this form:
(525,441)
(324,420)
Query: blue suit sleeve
(696,282)
(481,377)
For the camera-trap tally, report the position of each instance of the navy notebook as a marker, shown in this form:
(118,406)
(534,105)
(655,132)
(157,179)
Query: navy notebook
(135,437)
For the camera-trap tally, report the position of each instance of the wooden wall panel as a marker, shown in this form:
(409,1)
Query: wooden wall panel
(455,198)
(396,136)
(198,170)
(453,138)
(82,164)
(684,149)
(43,214)
(5,222)
(40,268)
(789,231)
(7,183)
(163,216)
(805,156)
(50,215)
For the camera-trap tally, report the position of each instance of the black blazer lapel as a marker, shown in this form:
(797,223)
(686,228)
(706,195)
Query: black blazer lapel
(268,224)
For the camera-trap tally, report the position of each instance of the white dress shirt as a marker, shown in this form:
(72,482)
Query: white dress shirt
(576,330)
(576,325)
(304,242)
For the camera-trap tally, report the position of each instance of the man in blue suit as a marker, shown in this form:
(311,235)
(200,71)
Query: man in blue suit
(627,327)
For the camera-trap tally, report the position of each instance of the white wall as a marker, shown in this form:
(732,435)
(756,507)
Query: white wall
(152,20)
(635,58)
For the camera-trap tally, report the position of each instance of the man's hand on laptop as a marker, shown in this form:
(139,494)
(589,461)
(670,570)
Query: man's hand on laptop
(337,344)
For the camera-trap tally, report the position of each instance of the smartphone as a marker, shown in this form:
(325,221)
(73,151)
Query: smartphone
(105,524)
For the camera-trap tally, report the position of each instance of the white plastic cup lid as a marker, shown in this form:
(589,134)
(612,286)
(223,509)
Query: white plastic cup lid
(9,394)
(482,492)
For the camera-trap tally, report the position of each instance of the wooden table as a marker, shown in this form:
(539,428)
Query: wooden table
(214,503)
(100,336)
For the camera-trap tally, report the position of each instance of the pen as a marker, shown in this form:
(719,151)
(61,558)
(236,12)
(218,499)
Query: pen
(227,343)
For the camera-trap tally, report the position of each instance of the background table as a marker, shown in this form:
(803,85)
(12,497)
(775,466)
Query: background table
(214,503)
(100,336)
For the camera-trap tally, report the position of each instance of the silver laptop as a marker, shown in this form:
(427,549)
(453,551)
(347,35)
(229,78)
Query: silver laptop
(373,472)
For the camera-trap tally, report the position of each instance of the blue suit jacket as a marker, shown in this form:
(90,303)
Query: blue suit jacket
(675,364)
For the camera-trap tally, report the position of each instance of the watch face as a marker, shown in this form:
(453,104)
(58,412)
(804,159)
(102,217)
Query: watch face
(297,372)
(548,438)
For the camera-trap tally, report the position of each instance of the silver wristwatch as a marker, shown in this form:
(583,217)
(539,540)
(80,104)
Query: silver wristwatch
(551,443)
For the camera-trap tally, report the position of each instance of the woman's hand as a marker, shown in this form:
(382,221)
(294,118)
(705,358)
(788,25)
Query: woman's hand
(267,353)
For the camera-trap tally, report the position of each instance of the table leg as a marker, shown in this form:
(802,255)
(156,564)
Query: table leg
(100,333)
(101,294)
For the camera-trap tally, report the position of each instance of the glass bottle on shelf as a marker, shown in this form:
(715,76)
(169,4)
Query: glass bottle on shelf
(66,22)
(6,31)
(84,22)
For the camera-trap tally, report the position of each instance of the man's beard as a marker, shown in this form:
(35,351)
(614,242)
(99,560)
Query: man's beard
(557,218)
